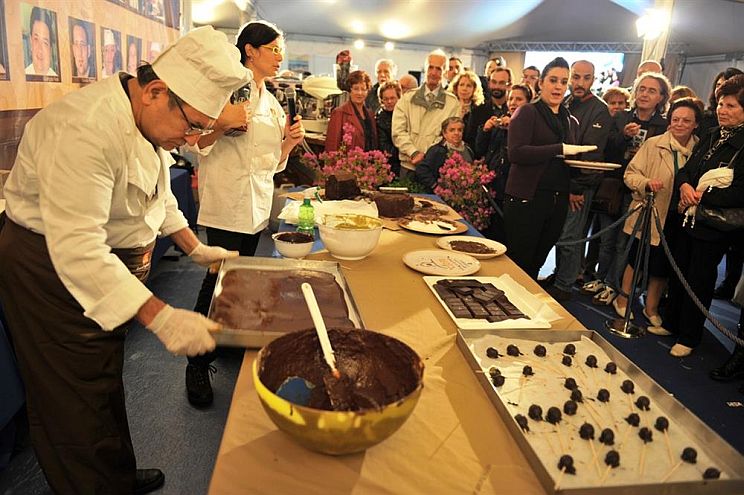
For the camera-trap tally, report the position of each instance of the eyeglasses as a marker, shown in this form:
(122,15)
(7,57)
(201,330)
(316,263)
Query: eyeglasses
(194,129)
(275,49)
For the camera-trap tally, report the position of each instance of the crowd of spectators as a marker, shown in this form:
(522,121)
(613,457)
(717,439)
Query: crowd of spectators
(665,139)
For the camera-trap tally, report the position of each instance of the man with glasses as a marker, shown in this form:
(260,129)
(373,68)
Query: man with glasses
(86,198)
(495,107)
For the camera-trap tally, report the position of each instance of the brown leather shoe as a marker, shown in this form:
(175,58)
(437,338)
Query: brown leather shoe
(148,480)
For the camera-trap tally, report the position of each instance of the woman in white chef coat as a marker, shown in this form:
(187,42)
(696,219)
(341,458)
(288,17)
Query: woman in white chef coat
(236,174)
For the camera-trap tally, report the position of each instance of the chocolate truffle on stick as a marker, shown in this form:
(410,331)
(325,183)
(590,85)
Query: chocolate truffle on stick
(689,455)
(662,425)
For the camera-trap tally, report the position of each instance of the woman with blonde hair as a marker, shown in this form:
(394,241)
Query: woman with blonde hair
(466,86)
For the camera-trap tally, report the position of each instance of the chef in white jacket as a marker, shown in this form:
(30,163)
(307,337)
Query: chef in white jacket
(87,196)
(236,172)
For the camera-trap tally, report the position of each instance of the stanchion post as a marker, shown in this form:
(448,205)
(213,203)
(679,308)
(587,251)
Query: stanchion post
(623,327)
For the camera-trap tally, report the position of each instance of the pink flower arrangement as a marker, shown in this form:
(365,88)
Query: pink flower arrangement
(460,184)
(371,168)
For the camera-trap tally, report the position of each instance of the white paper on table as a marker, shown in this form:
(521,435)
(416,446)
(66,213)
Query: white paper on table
(291,210)
(540,313)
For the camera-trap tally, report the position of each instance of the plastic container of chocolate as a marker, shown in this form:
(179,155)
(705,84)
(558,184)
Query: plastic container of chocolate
(589,421)
(259,299)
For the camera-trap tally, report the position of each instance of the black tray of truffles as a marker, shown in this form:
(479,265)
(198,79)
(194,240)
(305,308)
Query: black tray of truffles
(591,422)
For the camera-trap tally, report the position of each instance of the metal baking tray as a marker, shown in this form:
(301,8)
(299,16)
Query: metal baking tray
(725,457)
(254,338)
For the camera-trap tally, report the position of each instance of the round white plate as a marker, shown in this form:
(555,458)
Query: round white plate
(438,262)
(436,227)
(593,165)
(445,243)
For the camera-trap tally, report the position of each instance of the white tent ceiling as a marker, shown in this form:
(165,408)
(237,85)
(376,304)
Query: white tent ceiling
(699,27)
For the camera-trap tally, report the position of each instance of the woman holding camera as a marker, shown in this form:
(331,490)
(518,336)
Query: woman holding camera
(252,142)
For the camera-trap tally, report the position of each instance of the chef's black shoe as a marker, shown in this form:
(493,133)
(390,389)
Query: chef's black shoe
(198,386)
(148,480)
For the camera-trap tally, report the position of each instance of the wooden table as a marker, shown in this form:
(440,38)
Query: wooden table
(454,442)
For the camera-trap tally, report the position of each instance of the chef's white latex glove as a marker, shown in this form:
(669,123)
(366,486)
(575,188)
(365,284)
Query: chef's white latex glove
(575,149)
(206,255)
(183,332)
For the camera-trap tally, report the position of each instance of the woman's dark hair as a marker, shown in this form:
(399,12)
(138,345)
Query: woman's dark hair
(734,86)
(693,104)
(556,63)
(358,76)
(725,74)
(256,34)
(525,88)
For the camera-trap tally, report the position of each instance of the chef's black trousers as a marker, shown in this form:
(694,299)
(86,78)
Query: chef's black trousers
(246,245)
(71,369)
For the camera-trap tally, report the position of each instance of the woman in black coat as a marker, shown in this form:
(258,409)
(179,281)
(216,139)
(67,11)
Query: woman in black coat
(703,246)
(536,202)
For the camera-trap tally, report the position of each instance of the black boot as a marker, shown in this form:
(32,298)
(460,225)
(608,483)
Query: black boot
(733,368)
(198,386)
(148,480)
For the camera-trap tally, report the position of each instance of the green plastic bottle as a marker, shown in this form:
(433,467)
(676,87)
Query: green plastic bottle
(306,219)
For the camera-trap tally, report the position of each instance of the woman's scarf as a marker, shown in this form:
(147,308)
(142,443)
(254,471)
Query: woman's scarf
(726,134)
(558,123)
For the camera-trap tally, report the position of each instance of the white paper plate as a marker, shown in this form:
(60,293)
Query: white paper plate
(436,227)
(445,243)
(438,262)
(593,165)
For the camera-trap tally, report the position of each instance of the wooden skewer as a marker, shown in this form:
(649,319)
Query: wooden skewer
(521,388)
(594,458)
(612,415)
(560,478)
(625,436)
(669,447)
(593,413)
(604,476)
(550,444)
(630,402)
(642,465)
(560,437)
(671,471)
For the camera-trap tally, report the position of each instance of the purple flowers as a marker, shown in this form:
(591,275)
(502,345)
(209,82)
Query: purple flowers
(460,184)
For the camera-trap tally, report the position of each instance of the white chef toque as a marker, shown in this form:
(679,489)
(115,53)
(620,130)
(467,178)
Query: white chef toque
(203,69)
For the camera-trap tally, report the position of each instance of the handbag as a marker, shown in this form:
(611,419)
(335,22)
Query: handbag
(609,196)
(722,219)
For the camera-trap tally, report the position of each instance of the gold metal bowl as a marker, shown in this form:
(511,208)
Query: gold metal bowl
(338,432)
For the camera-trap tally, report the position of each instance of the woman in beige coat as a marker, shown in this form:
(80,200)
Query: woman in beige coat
(653,170)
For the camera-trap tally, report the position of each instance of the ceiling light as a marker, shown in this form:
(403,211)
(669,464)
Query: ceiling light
(389,46)
(203,12)
(394,29)
(652,24)
(358,44)
(358,27)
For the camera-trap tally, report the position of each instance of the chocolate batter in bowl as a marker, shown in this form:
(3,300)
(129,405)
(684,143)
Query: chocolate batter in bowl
(382,381)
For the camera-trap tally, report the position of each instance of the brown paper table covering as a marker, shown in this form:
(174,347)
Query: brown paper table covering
(454,442)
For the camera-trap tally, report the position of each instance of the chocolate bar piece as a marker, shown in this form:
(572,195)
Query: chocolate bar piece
(473,299)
